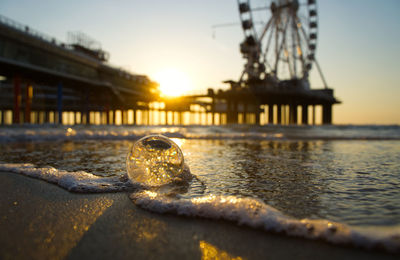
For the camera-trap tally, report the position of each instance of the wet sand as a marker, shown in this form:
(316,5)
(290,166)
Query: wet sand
(42,221)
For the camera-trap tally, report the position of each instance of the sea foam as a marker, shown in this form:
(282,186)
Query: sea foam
(231,132)
(256,214)
(79,181)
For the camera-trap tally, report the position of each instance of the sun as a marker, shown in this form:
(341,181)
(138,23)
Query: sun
(173,82)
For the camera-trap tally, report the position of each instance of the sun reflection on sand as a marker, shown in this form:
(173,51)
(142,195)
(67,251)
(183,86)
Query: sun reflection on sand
(55,237)
(146,230)
(208,251)
(82,220)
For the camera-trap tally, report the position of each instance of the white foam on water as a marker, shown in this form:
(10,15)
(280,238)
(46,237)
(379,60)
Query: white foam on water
(77,134)
(255,213)
(243,211)
(233,132)
(79,181)
(68,134)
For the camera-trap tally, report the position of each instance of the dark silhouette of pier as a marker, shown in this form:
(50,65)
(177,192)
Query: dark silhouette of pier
(42,74)
(44,80)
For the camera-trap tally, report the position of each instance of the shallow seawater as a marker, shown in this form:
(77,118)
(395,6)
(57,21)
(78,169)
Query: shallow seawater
(345,174)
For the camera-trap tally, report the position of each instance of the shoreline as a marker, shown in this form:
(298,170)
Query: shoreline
(43,221)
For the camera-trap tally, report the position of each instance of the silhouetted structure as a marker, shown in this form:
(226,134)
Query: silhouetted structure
(279,54)
(43,74)
(49,77)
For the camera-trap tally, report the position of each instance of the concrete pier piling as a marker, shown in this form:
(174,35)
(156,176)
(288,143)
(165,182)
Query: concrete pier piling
(60,102)
(270,114)
(228,111)
(28,103)
(17,100)
(327,114)
(279,114)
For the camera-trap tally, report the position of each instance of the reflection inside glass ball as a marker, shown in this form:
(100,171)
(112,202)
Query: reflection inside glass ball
(154,160)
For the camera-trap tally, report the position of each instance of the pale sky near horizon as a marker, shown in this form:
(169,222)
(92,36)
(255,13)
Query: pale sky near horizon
(358,44)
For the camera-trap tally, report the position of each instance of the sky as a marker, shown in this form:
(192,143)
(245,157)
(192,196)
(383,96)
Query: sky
(358,44)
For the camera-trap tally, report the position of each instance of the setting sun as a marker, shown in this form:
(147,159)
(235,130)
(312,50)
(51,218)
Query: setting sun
(173,82)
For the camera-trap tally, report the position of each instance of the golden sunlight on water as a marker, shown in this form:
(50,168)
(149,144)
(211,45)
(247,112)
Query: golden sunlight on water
(209,251)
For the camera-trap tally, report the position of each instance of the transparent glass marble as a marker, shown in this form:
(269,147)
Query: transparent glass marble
(154,160)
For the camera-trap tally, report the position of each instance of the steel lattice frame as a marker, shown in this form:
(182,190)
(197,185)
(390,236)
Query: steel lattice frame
(283,47)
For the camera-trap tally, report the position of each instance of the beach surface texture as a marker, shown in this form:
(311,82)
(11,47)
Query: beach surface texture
(43,221)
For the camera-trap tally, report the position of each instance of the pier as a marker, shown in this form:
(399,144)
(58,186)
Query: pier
(43,80)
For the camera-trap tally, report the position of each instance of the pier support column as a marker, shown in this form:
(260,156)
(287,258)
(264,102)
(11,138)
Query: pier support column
(88,121)
(293,114)
(112,117)
(279,116)
(17,100)
(180,117)
(107,111)
(235,112)
(229,112)
(213,111)
(143,117)
(270,114)
(89,118)
(3,117)
(304,114)
(124,117)
(245,119)
(46,117)
(327,114)
(83,118)
(54,117)
(232,113)
(257,115)
(28,102)
(76,118)
(122,120)
(37,117)
(59,102)
(313,114)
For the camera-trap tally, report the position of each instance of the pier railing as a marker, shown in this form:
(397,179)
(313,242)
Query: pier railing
(28,30)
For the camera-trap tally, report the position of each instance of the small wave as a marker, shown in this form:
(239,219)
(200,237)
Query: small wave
(272,133)
(79,181)
(68,134)
(254,213)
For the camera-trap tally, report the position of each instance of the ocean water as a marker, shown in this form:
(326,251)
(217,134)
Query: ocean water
(336,183)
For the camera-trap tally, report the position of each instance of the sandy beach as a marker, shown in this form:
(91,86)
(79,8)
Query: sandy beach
(42,221)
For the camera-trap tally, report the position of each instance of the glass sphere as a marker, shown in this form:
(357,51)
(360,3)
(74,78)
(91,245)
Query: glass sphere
(154,160)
